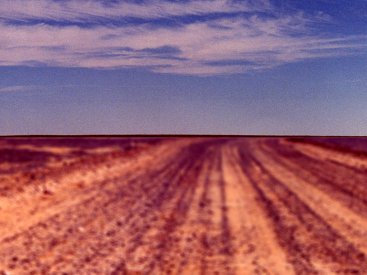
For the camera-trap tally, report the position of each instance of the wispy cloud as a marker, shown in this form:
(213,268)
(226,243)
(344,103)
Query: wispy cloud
(247,36)
(11,89)
(87,10)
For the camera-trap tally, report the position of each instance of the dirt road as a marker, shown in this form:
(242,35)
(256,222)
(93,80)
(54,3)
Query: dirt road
(184,206)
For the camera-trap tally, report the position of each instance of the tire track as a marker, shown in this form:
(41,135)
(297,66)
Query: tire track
(81,218)
(256,247)
(345,221)
(327,176)
(301,230)
(208,206)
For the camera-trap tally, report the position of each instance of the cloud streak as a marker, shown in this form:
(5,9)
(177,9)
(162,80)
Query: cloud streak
(87,10)
(12,89)
(246,37)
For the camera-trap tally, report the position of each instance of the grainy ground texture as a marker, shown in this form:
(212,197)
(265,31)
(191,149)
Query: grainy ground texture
(183,206)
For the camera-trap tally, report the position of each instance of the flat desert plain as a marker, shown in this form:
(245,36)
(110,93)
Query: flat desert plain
(183,205)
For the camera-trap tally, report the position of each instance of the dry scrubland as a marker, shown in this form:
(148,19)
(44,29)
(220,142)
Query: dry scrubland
(183,206)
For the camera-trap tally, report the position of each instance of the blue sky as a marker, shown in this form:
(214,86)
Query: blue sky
(183,67)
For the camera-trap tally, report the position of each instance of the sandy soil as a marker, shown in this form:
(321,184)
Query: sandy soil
(183,206)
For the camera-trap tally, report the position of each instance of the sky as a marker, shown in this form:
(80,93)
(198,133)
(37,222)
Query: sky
(265,67)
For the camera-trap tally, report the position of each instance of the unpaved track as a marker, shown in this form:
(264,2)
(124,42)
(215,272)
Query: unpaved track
(195,206)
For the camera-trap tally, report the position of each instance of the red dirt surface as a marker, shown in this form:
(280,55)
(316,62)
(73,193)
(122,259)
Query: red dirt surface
(183,206)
